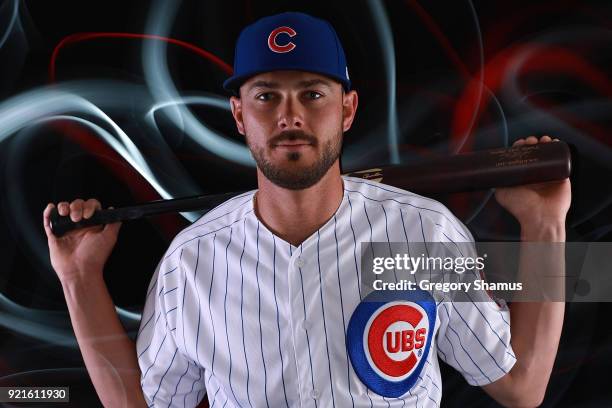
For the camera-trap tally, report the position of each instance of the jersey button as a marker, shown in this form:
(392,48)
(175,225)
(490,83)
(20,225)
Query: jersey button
(314,394)
(307,325)
(300,262)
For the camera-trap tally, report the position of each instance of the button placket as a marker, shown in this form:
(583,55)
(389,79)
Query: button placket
(300,326)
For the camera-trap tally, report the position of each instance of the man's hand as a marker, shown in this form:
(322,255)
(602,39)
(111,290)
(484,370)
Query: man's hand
(80,251)
(537,205)
(78,258)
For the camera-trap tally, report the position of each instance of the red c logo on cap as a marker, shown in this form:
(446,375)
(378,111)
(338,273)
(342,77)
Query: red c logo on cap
(281,48)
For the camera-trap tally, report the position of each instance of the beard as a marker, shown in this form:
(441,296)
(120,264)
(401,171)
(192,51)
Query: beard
(291,175)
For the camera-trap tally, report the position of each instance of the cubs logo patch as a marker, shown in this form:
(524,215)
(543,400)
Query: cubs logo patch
(275,46)
(388,339)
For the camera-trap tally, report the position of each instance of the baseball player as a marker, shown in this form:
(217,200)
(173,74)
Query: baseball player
(259,303)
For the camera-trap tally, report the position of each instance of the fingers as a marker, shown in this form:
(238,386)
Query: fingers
(531,140)
(63,208)
(90,207)
(77,210)
(545,139)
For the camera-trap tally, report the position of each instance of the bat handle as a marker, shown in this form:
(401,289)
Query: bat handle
(62,224)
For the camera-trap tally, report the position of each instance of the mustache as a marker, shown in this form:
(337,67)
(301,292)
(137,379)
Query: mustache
(292,135)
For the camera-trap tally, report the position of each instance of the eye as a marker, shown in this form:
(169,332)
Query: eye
(265,96)
(313,95)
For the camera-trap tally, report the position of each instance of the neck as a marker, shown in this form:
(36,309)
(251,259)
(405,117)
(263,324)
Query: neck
(294,215)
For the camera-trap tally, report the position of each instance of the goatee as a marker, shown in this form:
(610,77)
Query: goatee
(298,177)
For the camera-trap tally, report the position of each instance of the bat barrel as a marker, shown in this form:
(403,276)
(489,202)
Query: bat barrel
(481,170)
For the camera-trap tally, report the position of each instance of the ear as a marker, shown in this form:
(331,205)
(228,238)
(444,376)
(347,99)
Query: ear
(350,100)
(236,105)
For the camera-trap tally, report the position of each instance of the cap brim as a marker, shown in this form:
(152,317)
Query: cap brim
(233,83)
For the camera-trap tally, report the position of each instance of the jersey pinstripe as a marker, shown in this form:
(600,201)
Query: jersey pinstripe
(244,317)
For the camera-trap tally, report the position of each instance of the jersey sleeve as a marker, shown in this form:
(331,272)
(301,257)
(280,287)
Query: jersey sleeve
(474,332)
(474,338)
(168,377)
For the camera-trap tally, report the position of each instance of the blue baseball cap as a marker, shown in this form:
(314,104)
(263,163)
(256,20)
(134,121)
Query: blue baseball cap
(288,41)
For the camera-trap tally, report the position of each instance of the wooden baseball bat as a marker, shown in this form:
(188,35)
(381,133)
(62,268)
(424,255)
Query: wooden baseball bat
(480,170)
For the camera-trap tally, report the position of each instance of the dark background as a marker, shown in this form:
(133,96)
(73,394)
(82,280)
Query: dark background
(537,68)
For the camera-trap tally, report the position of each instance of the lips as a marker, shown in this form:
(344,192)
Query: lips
(293,143)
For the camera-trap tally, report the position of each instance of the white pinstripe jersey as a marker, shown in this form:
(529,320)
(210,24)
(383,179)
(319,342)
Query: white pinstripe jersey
(238,314)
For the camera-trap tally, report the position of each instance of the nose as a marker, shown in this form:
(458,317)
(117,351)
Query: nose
(290,114)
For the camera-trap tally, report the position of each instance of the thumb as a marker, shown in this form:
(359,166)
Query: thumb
(47,222)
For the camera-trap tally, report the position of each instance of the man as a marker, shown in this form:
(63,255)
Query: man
(251,305)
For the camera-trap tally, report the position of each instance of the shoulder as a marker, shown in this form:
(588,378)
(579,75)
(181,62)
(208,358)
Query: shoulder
(218,219)
(432,214)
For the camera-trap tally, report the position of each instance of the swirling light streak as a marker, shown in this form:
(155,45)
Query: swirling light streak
(128,151)
(78,37)
(463,135)
(162,88)
(434,29)
(385,38)
(54,318)
(561,60)
(118,97)
(21,112)
(28,228)
(37,108)
(41,106)
(11,23)
(598,233)
(48,325)
(54,371)
(211,101)
(503,74)
(555,53)
(465,115)
(40,331)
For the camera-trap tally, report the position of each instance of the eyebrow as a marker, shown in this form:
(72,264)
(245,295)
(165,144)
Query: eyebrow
(264,84)
(301,84)
(312,82)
